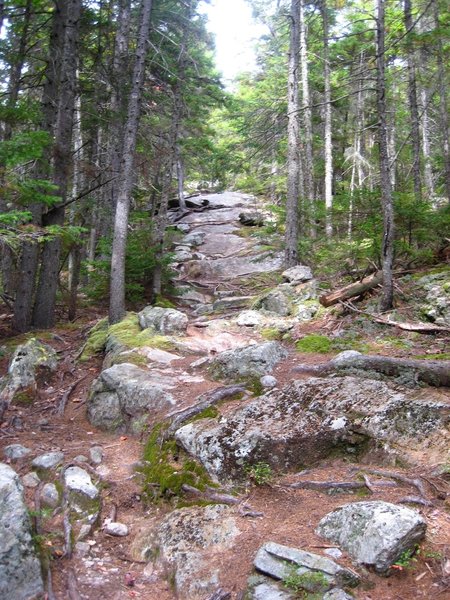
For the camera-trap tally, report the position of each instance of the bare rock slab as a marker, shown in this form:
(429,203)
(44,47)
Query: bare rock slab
(20,570)
(251,361)
(184,543)
(373,533)
(123,396)
(279,561)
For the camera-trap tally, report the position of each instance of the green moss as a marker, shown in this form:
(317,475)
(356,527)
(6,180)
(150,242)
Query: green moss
(270,333)
(24,397)
(130,357)
(311,582)
(166,468)
(129,333)
(315,343)
(164,302)
(442,356)
(96,340)
(209,413)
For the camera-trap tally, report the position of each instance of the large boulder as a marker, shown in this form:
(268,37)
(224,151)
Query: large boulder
(374,533)
(20,570)
(123,396)
(276,301)
(297,274)
(251,218)
(28,360)
(185,542)
(309,420)
(437,302)
(166,321)
(249,362)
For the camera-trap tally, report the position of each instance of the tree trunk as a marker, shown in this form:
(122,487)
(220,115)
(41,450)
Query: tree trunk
(328,150)
(308,169)
(385,182)
(352,290)
(412,99)
(124,188)
(293,158)
(44,306)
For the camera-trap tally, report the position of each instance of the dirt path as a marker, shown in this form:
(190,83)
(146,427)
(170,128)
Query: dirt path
(106,570)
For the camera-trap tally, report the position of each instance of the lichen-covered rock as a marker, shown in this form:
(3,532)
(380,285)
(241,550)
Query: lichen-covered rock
(249,318)
(251,361)
(279,561)
(184,543)
(437,305)
(373,533)
(122,398)
(20,571)
(269,591)
(232,302)
(47,461)
(82,495)
(19,385)
(297,274)
(195,238)
(276,301)
(16,452)
(166,321)
(50,495)
(308,420)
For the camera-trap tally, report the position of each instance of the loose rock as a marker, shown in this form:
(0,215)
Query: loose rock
(166,321)
(297,274)
(31,480)
(15,452)
(373,533)
(96,454)
(251,361)
(116,529)
(50,495)
(47,461)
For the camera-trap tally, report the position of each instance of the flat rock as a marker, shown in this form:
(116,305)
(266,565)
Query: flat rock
(78,480)
(20,569)
(123,397)
(269,591)
(297,274)
(279,561)
(31,480)
(233,302)
(373,533)
(249,318)
(166,321)
(184,544)
(16,452)
(116,529)
(195,238)
(309,420)
(50,495)
(49,460)
(254,360)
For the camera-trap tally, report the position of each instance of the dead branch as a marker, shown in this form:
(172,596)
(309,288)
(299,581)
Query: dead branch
(417,483)
(65,397)
(352,290)
(204,401)
(328,485)
(415,500)
(67,533)
(433,372)
(210,494)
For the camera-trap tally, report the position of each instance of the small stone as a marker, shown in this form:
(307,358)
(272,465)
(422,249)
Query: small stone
(16,451)
(85,530)
(183,227)
(31,480)
(267,381)
(43,422)
(116,529)
(78,480)
(50,460)
(82,549)
(96,454)
(337,594)
(249,318)
(270,591)
(334,553)
(196,238)
(49,495)
(81,458)
(297,274)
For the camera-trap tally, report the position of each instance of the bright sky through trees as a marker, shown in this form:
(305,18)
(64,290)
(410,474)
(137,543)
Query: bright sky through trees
(235,31)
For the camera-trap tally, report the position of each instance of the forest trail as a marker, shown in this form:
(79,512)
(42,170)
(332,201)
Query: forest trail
(228,265)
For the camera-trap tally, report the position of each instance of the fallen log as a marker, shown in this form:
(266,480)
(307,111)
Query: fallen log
(433,372)
(210,494)
(352,290)
(329,485)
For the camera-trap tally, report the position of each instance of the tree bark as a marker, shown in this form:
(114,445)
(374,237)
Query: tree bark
(352,290)
(385,182)
(293,157)
(117,283)
(328,149)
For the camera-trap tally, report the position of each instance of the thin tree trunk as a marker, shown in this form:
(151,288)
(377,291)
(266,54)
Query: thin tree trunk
(328,150)
(385,182)
(293,158)
(443,109)
(44,306)
(180,178)
(412,99)
(308,168)
(124,188)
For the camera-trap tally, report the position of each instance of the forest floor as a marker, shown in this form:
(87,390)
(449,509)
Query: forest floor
(288,516)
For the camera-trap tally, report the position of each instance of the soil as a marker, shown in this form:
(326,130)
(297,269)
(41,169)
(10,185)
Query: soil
(288,517)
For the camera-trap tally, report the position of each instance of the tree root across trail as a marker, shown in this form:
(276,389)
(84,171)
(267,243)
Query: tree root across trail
(433,372)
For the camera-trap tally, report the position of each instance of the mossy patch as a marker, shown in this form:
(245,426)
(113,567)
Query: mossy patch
(128,333)
(24,397)
(271,334)
(315,343)
(130,357)
(164,302)
(211,412)
(96,340)
(167,467)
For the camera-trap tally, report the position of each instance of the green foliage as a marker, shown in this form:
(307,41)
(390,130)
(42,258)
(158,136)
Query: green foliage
(311,582)
(209,413)
(23,147)
(314,343)
(260,473)
(407,559)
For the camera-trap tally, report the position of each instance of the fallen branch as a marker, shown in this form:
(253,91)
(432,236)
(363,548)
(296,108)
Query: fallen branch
(352,290)
(432,372)
(220,595)
(65,397)
(204,402)
(402,478)
(328,485)
(415,500)
(210,494)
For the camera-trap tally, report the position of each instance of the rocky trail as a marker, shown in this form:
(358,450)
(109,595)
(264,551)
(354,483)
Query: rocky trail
(184,454)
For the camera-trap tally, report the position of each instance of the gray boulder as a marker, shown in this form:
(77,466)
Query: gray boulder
(232,302)
(195,238)
(122,398)
(437,302)
(297,274)
(374,533)
(20,571)
(16,452)
(251,361)
(279,561)
(50,495)
(28,360)
(184,544)
(269,591)
(251,219)
(166,321)
(309,420)
(47,461)
(83,497)
(249,318)
(276,301)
